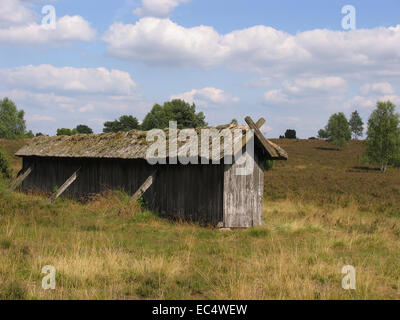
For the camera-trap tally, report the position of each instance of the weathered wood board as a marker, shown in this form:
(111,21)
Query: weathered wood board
(19,179)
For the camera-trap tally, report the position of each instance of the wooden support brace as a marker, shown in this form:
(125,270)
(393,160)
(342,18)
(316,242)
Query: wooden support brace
(20,178)
(64,187)
(146,185)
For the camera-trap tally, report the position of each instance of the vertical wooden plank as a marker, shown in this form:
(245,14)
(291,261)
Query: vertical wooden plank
(240,198)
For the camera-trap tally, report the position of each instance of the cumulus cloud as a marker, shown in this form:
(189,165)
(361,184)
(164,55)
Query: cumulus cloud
(158,8)
(42,99)
(363,102)
(70,95)
(206,96)
(261,49)
(18,25)
(14,12)
(163,41)
(370,93)
(292,91)
(377,87)
(276,96)
(69,79)
(316,84)
(67,29)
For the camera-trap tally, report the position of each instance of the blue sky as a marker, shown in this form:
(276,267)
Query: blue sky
(290,62)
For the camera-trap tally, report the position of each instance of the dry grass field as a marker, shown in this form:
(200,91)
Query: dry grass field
(323,209)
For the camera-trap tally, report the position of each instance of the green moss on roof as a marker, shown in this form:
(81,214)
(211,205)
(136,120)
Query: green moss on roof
(125,145)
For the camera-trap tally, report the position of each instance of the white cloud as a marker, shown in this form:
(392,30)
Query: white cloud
(38,98)
(163,41)
(158,8)
(370,101)
(69,79)
(363,102)
(206,96)
(276,96)
(315,84)
(305,90)
(14,12)
(71,96)
(68,29)
(19,24)
(377,87)
(393,98)
(316,53)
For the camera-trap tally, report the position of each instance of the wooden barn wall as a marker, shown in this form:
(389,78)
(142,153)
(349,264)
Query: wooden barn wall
(243,195)
(191,192)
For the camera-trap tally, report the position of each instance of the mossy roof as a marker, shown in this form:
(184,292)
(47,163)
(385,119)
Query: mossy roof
(124,145)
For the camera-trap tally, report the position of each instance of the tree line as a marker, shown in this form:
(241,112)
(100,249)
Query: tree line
(159,117)
(383,133)
(13,125)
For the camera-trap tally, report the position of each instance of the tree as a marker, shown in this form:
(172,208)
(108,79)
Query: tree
(234,121)
(66,132)
(338,130)
(290,134)
(356,125)
(322,134)
(176,110)
(29,134)
(83,129)
(383,135)
(12,123)
(124,123)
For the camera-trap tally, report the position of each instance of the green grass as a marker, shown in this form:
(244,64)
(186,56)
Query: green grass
(109,249)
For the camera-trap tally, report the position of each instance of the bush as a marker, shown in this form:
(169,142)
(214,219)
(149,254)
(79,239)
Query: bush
(4,165)
(290,134)
(269,165)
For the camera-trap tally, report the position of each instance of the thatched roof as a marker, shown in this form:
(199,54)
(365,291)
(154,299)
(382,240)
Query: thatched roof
(124,145)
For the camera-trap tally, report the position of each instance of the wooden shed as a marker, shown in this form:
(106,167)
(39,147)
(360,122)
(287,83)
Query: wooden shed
(82,165)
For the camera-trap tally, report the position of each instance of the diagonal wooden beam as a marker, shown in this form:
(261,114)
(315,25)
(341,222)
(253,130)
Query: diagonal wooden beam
(245,138)
(260,123)
(146,185)
(64,187)
(20,178)
(261,137)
